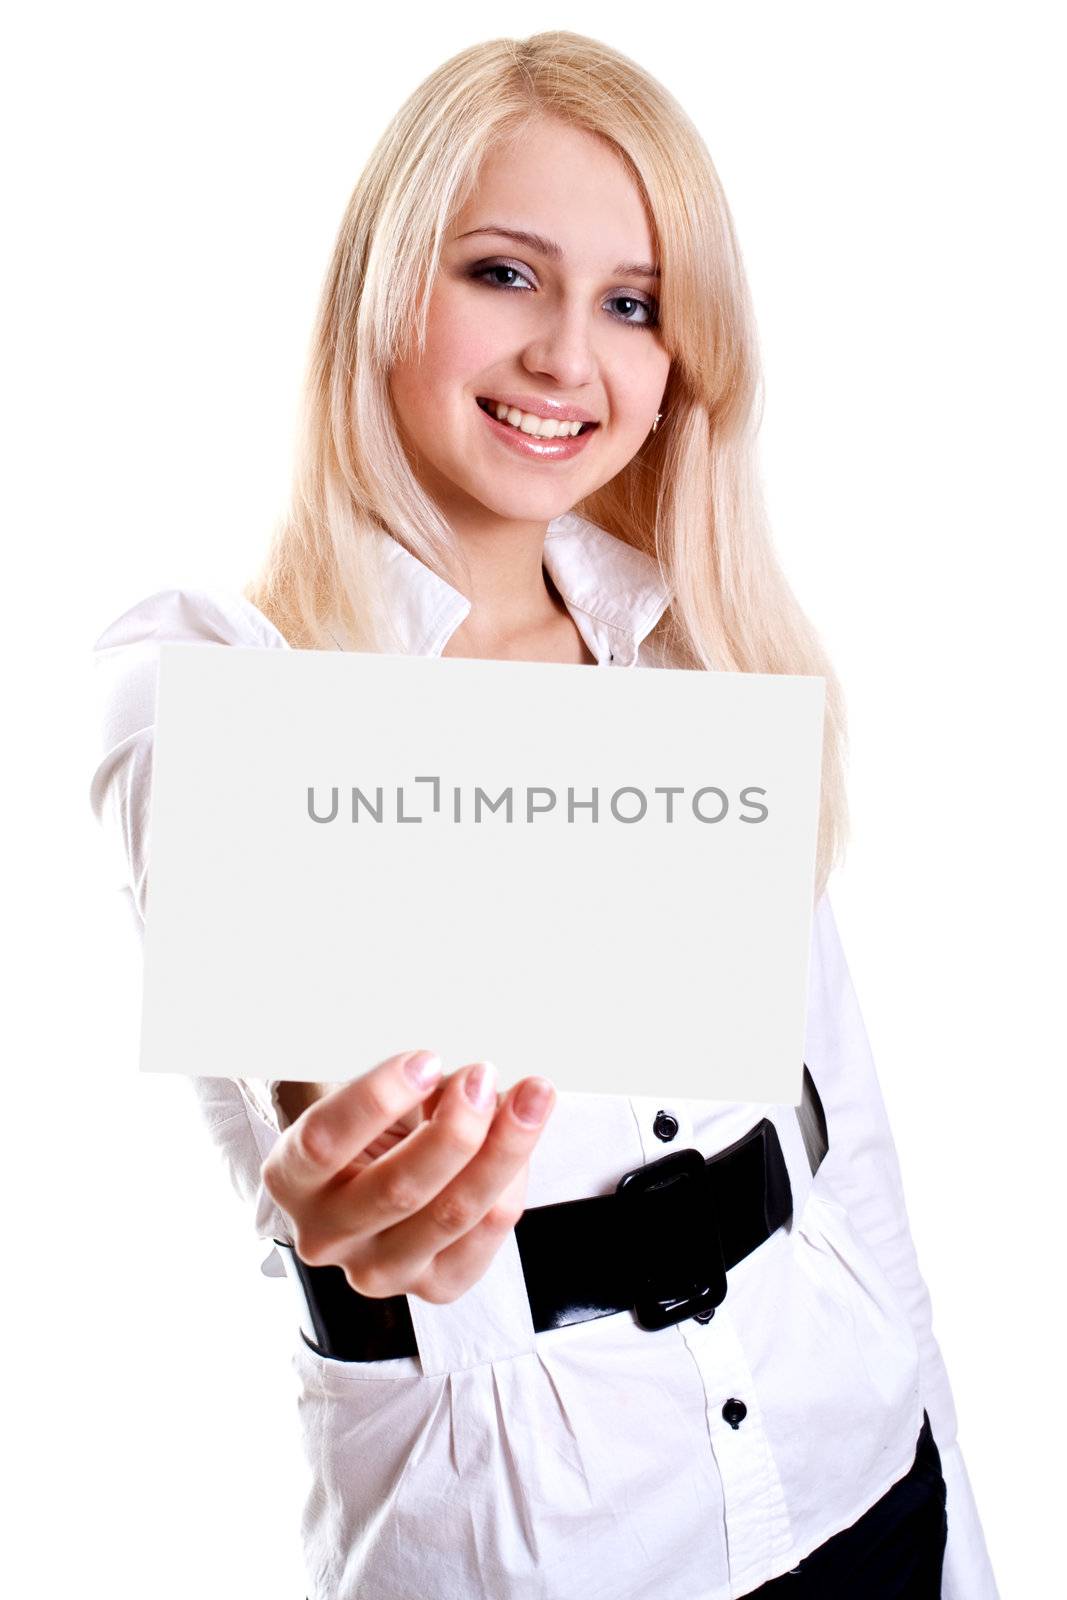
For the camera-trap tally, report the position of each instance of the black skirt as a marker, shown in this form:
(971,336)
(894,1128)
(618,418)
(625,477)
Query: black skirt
(894,1552)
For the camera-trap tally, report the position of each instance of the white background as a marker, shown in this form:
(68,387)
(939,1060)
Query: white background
(176,179)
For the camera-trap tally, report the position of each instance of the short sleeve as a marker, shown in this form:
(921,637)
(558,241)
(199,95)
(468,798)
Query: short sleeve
(238,1111)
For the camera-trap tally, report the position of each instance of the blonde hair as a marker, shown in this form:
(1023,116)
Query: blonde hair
(690,498)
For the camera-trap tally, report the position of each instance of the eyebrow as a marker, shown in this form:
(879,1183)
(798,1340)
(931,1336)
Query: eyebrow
(549,248)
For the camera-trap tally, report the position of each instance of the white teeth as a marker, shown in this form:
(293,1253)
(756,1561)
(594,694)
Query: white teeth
(526,422)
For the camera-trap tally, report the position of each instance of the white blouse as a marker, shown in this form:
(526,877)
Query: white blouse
(595,1459)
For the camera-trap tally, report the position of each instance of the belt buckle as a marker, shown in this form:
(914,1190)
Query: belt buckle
(679,1274)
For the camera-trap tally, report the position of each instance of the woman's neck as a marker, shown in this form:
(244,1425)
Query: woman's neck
(516,610)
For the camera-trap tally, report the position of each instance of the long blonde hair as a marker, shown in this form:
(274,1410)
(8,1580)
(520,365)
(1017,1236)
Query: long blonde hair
(690,498)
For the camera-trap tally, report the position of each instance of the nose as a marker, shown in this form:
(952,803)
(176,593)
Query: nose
(563,347)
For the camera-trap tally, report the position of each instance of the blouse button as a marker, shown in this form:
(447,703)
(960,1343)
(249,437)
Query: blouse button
(734,1412)
(665,1126)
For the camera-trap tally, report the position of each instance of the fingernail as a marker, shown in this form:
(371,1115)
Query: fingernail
(532,1101)
(480,1085)
(423,1068)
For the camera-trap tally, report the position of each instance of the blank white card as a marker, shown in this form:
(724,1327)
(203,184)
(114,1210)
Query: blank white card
(603,876)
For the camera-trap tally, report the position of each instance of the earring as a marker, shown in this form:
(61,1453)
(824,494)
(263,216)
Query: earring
(659,418)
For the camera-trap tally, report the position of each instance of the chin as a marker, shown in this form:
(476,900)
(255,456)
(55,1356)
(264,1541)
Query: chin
(530,502)
(534,507)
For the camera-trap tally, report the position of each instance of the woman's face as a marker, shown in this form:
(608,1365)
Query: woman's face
(558,326)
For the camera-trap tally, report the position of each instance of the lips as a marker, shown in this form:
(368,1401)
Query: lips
(543,409)
(535,447)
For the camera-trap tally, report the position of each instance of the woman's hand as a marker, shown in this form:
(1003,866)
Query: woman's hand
(407,1206)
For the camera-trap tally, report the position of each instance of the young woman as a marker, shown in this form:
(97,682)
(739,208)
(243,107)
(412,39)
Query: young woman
(529,433)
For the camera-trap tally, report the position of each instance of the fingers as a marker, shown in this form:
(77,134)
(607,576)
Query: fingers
(360,1205)
(473,1190)
(333,1131)
(454,1269)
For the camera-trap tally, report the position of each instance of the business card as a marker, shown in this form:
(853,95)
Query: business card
(603,876)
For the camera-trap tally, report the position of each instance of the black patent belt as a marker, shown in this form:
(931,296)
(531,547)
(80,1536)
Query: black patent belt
(660,1246)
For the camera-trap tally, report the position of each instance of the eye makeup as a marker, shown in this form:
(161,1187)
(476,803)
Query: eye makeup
(479,270)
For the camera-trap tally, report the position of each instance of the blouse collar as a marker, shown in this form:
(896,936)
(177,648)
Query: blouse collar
(614,592)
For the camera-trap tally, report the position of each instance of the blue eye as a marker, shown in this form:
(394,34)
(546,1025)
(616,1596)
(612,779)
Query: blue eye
(641,305)
(500,266)
(639,313)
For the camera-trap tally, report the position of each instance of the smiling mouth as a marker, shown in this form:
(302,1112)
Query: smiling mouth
(533,427)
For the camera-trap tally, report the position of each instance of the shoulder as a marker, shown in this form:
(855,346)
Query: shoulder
(206,616)
(125,657)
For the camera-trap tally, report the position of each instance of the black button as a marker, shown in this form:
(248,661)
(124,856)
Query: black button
(704,1316)
(665,1126)
(734,1412)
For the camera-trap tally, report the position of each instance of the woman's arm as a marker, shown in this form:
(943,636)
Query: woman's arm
(240,1112)
(462,1186)
(290,1099)
(861,1173)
